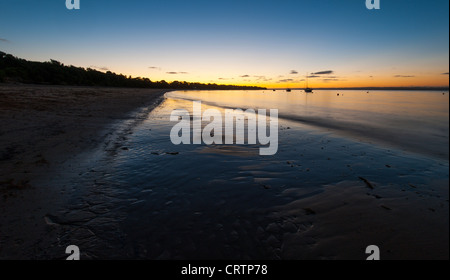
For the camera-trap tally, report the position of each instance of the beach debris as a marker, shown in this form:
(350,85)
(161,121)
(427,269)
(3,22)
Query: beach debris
(388,166)
(432,209)
(412,186)
(125,148)
(52,220)
(267,187)
(172,153)
(367,182)
(385,207)
(49,221)
(309,211)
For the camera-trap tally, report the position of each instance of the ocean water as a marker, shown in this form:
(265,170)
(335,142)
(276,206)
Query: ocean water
(416,121)
(146,198)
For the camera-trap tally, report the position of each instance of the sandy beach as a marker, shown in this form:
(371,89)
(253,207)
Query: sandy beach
(42,128)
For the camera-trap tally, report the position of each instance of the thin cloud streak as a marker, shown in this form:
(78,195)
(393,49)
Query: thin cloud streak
(326,72)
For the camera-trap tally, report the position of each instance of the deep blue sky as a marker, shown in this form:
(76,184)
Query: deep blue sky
(404,43)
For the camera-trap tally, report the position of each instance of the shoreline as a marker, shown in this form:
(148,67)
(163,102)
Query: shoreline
(45,130)
(44,126)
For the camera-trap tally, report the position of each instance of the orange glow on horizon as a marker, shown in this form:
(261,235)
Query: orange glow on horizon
(380,78)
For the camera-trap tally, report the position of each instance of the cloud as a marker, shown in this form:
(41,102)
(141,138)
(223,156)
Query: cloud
(262,78)
(103,68)
(245,76)
(154,68)
(332,80)
(4,40)
(327,72)
(176,73)
(403,76)
(445,73)
(285,80)
(313,76)
(293,72)
(226,78)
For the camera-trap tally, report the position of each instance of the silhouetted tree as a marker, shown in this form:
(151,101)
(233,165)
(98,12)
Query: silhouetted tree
(13,69)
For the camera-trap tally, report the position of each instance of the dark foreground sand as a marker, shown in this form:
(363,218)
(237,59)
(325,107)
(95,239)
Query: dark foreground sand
(42,128)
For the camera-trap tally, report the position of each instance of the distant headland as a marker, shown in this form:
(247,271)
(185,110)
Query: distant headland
(17,70)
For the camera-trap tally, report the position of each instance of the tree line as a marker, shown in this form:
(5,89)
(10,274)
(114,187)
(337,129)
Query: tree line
(17,70)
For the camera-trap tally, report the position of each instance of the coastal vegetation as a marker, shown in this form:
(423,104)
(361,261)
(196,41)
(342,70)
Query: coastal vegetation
(17,70)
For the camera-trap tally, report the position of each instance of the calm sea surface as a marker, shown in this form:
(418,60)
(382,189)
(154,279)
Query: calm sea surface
(416,121)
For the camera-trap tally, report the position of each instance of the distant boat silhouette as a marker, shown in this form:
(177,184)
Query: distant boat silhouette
(307,88)
(288,90)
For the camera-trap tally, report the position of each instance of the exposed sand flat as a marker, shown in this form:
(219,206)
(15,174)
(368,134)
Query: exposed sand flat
(43,127)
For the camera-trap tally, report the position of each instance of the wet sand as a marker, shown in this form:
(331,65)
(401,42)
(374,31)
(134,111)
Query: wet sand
(131,194)
(43,129)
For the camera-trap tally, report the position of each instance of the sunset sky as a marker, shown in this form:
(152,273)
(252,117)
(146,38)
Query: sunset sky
(266,43)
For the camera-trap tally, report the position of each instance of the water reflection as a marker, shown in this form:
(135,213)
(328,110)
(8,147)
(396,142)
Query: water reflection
(416,121)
